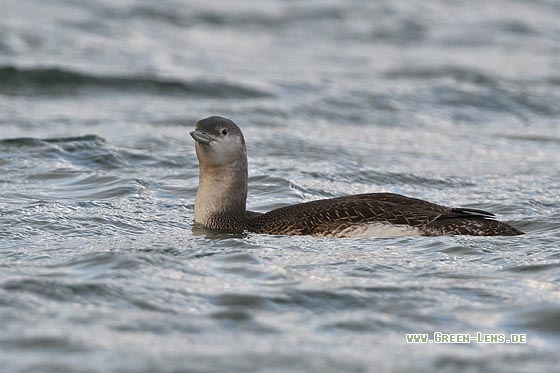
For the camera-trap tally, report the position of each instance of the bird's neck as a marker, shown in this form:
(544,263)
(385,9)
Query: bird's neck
(222,196)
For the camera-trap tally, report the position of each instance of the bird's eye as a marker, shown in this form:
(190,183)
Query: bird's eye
(224,131)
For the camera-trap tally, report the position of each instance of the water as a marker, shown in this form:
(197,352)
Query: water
(101,270)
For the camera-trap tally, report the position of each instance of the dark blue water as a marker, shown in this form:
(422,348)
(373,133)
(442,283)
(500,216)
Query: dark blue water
(101,270)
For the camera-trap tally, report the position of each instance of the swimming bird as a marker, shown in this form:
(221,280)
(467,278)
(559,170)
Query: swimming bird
(221,198)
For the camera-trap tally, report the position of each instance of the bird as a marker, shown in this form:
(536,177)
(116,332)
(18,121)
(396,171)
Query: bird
(221,199)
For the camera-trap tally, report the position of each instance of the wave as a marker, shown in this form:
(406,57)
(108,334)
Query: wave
(482,90)
(457,73)
(54,80)
(250,17)
(77,168)
(90,151)
(33,141)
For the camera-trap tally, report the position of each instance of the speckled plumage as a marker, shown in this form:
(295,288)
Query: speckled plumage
(222,195)
(330,217)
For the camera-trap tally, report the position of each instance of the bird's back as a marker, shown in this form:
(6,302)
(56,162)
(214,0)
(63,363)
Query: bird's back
(374,214)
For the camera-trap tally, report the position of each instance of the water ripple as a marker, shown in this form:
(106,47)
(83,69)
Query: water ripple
(56,81)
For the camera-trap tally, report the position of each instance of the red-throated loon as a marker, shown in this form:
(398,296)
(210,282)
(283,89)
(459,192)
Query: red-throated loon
(222,194)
